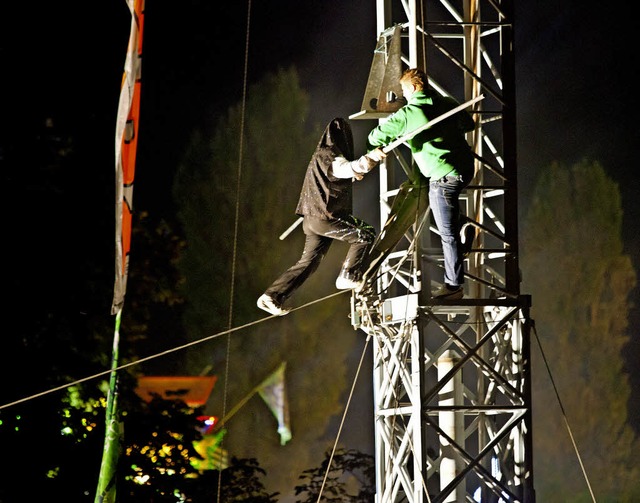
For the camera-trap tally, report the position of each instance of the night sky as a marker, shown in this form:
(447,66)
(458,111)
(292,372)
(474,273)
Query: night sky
(574,97)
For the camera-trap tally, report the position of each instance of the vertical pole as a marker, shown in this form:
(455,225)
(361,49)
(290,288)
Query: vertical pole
(451,423)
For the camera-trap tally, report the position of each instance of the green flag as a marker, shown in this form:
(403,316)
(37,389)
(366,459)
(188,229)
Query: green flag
(272,390)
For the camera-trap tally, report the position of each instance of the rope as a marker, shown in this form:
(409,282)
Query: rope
(564,415)
(235,229)
(158,355)
(344,415)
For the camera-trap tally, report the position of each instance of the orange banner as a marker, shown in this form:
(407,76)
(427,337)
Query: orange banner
(127,124)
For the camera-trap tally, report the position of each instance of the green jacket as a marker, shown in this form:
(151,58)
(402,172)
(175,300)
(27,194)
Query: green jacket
(438,151)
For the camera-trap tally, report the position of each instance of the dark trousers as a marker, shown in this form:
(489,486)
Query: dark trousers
(319,236)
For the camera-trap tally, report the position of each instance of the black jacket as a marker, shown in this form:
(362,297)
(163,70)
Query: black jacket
(324,195)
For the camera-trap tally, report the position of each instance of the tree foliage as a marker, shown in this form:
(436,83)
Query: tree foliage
(238,483)
(60,328)
(63,330)
(234,199)
(580,279)
(350,479)
(154,464)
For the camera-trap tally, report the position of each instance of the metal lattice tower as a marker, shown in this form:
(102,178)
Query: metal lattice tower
(452,399)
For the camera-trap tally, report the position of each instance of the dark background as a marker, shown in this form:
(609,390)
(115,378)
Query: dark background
(63,62)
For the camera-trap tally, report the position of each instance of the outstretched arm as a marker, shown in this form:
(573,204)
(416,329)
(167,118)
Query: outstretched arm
(342,168)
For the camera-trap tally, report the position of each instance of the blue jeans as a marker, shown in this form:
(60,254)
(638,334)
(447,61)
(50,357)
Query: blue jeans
(444,200)
(410,203)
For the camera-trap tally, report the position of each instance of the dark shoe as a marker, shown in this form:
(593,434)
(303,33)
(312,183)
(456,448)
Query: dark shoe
(448,292)
(349,281)
(268,304)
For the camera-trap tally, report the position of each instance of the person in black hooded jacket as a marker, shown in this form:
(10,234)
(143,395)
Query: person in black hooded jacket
(326,205)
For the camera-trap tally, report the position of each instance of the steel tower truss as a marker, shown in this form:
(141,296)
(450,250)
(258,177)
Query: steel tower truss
(451,380)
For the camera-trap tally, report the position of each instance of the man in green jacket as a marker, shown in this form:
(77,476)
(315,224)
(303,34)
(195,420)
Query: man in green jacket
(444,159)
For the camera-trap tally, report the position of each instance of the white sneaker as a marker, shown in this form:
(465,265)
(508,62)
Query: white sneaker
(346,283)
(269,305)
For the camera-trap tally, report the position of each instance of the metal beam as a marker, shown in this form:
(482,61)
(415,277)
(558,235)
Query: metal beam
(452,398)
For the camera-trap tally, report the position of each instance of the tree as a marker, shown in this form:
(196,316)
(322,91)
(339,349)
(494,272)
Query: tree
(278,143)
(59,326)
(351,479)
(52,444)
(580,279)
(239,482)
(154,464)
(153,304)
